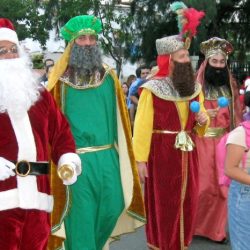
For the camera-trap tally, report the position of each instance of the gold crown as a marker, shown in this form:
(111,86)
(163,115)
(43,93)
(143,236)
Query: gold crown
(216,45)
(169,44)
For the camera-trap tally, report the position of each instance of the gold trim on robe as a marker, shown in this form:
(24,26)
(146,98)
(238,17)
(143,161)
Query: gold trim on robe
(133,215)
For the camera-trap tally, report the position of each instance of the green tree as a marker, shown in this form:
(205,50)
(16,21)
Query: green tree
(225,18)
(35,18)
(116,33)
(27,17)
(59,12)
(228,19)
(131,35)
(37,60)
(115,24)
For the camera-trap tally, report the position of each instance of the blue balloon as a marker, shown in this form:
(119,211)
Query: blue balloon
(222,102)
(195,106)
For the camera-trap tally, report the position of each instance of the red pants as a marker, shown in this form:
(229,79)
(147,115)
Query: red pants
(23,229)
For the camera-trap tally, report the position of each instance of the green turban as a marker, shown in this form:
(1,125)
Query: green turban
(81,25)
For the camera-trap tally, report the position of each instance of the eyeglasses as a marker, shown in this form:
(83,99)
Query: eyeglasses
(12,50)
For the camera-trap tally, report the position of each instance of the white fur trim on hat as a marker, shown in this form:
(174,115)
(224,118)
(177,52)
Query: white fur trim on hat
(8,35)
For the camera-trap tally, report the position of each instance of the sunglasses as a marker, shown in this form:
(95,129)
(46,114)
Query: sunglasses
(12,50)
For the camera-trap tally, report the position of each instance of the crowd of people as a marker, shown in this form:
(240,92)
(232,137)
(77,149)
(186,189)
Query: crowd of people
(79,150)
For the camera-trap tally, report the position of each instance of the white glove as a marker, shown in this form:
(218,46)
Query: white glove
(6,169)
(69,165)
(67,173)
(72,180)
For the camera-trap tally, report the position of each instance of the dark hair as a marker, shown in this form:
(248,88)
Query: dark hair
(138,70)
(130,79)
(247,99)
(152,64)
(48,60)
(47,66)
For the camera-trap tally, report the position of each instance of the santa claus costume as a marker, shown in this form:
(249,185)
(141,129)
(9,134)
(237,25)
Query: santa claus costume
(32,130)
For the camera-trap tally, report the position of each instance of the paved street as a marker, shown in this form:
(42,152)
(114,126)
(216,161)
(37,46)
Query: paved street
(136,241)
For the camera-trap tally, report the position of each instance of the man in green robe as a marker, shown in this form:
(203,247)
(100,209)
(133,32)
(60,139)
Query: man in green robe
(106,201)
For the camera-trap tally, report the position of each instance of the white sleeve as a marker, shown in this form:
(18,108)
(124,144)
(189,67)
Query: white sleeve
(237,137)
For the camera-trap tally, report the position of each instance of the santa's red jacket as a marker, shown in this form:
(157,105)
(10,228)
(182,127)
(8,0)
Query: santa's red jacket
(31,137)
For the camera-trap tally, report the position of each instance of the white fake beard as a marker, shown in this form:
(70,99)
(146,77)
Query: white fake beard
(19,88)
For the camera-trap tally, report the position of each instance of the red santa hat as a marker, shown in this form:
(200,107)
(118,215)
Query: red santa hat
(7,31)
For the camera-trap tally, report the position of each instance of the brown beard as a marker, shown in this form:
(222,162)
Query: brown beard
(183,79)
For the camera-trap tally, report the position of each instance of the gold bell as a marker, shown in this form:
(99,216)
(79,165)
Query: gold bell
(65,172)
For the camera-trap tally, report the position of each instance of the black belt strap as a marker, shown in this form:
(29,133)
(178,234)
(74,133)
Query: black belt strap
(24,168)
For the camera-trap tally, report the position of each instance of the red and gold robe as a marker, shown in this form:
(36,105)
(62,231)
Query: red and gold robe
(172,184)
(212,205)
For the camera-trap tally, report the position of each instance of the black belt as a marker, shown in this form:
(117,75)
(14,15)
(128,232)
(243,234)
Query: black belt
(24,168)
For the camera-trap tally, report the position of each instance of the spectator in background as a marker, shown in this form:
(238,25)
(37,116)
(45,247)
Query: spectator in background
(49,63)
(141,74)
(131,108)
(125,90)
(134,95)
(239,191)
(130,80)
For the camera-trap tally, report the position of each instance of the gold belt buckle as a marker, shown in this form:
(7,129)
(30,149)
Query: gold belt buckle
(27,164)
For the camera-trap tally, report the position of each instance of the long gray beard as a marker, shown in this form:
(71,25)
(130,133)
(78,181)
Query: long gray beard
(85,60)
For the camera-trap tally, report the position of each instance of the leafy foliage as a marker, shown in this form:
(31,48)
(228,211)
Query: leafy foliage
(59,12)
(27,17)
(115,24)
(130,33)
(116,30)
(228,19)
(37,61)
